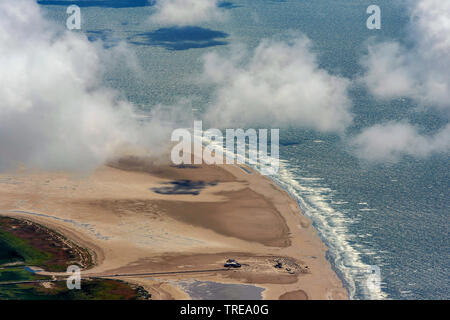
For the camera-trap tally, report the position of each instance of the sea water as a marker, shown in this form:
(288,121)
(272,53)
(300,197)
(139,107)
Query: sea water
(392,215)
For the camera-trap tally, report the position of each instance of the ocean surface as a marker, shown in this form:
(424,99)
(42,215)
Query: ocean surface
(394,216)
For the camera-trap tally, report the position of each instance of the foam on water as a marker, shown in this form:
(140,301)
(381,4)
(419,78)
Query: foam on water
(332,226)
(314,199)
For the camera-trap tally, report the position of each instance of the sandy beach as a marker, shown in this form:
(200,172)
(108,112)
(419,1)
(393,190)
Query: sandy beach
(135,217)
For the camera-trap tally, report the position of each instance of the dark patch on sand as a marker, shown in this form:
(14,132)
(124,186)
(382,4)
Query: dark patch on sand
(247,216)
(184,187)
(207,173)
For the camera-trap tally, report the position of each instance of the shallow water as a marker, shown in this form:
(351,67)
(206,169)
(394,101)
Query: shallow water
(208,290)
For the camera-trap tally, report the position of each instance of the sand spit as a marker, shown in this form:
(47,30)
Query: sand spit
(203,216)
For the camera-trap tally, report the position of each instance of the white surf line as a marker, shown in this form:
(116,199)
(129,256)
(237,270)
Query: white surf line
(331,225)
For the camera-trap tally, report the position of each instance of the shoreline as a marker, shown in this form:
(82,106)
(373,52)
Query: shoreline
(31,254)
(306,224)
(40,246)
(149,227)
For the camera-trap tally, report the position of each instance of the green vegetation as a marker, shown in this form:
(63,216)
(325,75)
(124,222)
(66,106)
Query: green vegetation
(8,254)
(23,243)
(18,274)
(35,245)
(14,249)
(97,289)
(17,291)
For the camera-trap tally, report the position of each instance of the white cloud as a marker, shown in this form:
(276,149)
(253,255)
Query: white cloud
(391,141)
(279,84)
(54,111)
(187,12)
(420,72)
(388,75)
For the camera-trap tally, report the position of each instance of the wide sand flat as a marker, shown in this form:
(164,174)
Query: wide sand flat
(139,218)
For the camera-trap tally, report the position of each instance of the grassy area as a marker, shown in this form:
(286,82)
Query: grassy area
(9,254)
(36,245)
(15,292)
(98,289)
(18,274)
(26,243)
(14,249)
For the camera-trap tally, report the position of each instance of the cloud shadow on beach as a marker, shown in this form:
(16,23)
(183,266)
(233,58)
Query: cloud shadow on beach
(180,38)
(183,187)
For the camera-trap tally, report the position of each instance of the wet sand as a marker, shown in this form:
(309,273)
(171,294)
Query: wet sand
(138,217)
